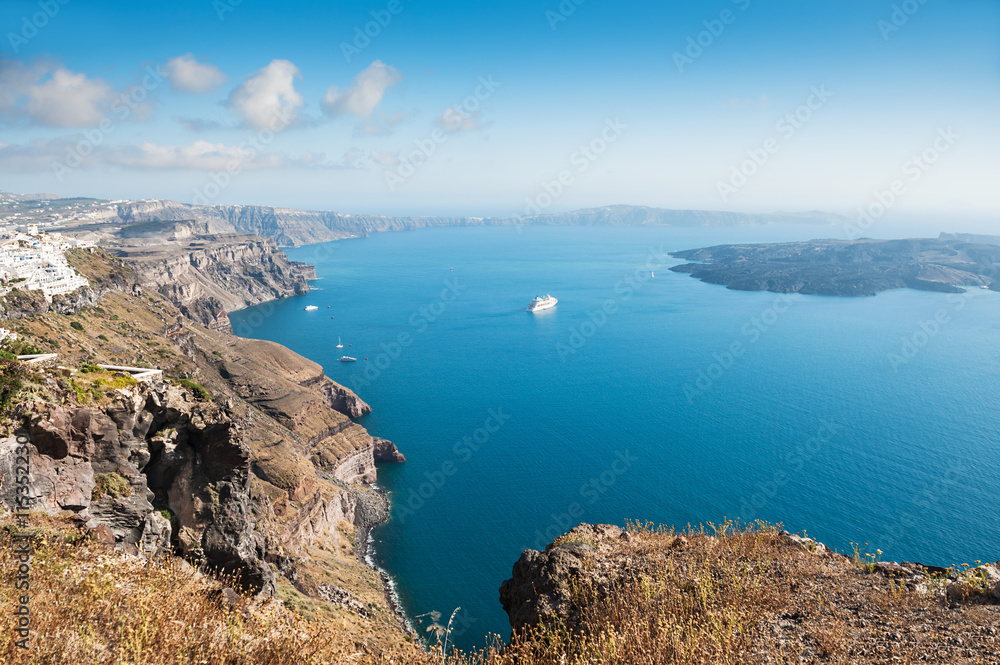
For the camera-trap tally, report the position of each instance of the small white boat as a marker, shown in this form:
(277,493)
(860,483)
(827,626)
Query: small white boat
(652,274)
(311,308)
(348,359)
(340,344)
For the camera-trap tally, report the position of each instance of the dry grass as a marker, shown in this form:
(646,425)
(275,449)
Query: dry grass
(90,606)
(716,596)
(747,596)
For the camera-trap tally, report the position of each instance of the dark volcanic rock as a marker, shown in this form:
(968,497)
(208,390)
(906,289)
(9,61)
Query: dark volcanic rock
(386,451)
(153,441)
(539,587)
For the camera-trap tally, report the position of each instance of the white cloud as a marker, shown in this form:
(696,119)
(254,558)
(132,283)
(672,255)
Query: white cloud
(52,95)
(458,121)
(197,156)
(70,153)
(362,98)
(188,75)
(268,96)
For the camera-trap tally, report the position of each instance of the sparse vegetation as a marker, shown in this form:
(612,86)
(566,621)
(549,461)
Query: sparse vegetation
(725,594)
(110,484)
(198,389)
(12,374)
(93,607)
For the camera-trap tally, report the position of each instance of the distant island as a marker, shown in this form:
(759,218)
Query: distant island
(850,268)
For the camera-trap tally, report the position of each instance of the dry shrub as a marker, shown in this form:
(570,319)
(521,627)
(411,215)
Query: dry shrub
(90,606)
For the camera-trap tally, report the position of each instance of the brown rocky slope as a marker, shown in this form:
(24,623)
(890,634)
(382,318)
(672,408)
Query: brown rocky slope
(291,500)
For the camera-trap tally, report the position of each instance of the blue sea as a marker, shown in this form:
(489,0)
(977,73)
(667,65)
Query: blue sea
(644,395)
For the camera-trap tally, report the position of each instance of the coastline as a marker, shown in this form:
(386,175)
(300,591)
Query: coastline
(372,513)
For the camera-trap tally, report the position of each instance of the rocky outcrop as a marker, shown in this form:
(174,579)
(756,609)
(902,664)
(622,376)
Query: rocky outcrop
(150,444)
(338,397)
(207,276)
(386,451)
(604,559)
(540,586)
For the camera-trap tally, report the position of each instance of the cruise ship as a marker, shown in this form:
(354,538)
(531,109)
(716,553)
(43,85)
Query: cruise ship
(542,302)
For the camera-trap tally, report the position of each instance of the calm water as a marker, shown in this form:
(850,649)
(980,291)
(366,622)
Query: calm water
(665,399)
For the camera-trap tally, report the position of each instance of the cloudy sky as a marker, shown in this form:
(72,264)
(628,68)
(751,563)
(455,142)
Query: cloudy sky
(440,107)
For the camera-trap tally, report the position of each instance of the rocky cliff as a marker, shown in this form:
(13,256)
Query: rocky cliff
(207,276)
(144,445)
(261,467)
(290,227)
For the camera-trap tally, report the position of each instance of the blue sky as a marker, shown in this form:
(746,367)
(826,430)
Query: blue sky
(395,125)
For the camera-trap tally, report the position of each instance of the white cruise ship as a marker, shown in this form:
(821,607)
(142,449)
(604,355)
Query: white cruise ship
(542,302)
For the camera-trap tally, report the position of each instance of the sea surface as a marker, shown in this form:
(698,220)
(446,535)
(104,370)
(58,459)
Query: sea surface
(639,397)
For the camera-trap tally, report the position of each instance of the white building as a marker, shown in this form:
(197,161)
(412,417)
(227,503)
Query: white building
(39,262)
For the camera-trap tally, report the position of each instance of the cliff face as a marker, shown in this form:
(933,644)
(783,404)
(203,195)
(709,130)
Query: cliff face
(290,227)
(109,463)
(271,475)
(208,276)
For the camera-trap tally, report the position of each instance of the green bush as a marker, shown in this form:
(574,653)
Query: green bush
(102,337)
(76,325)
(198,389)
(110,484)
(11,374)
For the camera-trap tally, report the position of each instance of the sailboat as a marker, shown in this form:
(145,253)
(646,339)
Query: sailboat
(340,344)
(652,274)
